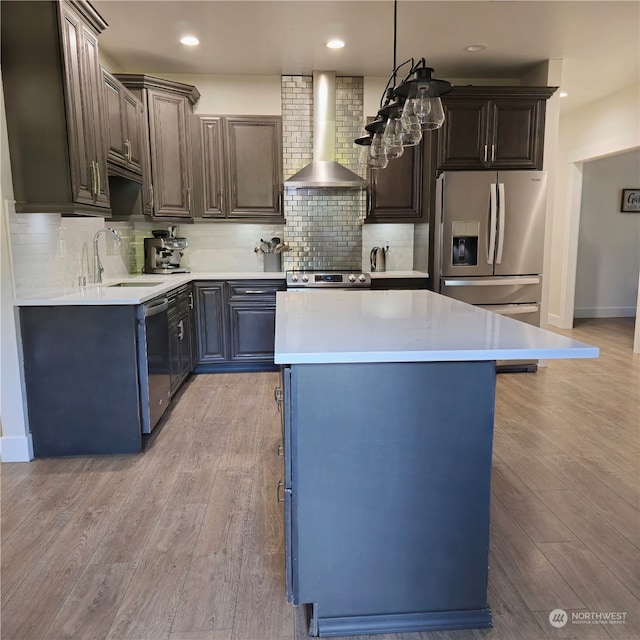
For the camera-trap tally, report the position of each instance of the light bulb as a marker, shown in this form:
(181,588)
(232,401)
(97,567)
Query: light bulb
(411,129)
(421,103)
(377,153)
(392,138)
(435,118)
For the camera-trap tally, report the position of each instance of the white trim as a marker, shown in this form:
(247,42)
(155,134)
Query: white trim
(636,337)
(577,158)
(16,448)
(554,320)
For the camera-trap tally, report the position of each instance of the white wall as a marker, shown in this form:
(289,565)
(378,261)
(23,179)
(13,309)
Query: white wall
(600,129)
(609,241)
(15,442)
(227,94)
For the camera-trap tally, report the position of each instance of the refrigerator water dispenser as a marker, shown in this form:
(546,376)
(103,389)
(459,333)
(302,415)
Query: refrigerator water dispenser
(464,243)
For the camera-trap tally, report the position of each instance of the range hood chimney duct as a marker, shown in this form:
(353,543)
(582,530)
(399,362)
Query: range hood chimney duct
(324,171)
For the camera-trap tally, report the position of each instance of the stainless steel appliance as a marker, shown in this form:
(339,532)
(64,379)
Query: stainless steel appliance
(312,279)
(489,241)
(164,254)
(378,258)
(153,361)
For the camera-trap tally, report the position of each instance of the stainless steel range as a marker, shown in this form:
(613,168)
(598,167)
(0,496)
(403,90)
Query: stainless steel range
(348,279)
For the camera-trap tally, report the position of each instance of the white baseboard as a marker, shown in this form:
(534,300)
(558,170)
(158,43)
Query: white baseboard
(605,312)
(16,448)
(554,320)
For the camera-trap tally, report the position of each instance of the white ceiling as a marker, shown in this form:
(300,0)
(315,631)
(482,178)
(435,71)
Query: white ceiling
(597,40)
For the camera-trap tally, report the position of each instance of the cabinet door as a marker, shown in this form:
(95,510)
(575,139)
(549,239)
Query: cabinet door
(95,129)
(83,179)
(133,117)
(252,331)
(515,131)
(462,140)
(170,154)
(396,191)
(254,166)
(210,322)
(114,119)
(212,159)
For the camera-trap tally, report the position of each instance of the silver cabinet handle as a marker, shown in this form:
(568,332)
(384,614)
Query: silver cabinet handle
(280,451)
(278,395)
(485,153)
(190,299)
(99,178)
(151,197)
(189,198)
(280,486)
(127,150)
(255,291)
(181,330)
(94,183)
(493,152)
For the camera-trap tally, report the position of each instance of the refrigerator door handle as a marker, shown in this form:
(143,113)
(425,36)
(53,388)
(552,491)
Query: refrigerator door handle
(511,309)
(493,207)
(492,282)
(501,223)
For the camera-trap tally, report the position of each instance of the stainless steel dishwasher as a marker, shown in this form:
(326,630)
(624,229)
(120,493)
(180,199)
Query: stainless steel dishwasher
(153,361)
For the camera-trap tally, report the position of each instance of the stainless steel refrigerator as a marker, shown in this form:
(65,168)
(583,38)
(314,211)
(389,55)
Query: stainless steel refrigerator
(489,241)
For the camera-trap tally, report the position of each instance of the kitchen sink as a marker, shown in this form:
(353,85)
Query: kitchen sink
(136,284)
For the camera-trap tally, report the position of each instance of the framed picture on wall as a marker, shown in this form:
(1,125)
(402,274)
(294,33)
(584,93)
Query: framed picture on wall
(630,201)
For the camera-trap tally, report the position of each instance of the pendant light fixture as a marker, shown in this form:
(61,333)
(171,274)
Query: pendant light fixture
(405,110)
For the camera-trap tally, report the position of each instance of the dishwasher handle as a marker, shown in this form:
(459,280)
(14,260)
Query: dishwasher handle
(155,307)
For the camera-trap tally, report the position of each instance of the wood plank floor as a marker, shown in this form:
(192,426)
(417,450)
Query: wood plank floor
(185,541)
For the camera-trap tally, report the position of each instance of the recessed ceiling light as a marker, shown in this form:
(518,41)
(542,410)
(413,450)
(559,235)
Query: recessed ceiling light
(563,94)
(335,44)
(190,41)
(474,48)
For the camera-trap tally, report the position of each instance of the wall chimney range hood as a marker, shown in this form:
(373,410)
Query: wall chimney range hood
(324,172)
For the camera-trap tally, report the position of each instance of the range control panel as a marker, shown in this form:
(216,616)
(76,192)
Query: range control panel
(328,280)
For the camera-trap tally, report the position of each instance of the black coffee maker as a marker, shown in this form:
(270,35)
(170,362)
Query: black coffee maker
(163,252)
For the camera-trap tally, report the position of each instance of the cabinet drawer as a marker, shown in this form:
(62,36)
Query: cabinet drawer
(255,290)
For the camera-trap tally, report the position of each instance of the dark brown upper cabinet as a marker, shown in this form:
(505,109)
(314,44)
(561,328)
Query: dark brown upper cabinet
(126,127)
(54,106)
(241,167)
(167,178)
(395,191)
(493,128)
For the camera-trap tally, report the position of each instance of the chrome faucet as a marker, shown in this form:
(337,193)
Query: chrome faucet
(97,265)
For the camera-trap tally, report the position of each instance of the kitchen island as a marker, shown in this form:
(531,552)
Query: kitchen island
(388,409)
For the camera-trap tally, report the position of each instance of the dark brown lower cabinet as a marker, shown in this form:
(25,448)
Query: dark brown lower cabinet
(252,331)
(181,335)
(235,325)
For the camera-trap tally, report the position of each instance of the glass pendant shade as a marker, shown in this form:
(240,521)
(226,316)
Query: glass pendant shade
(377,153)
(411,129)
(421,104)
(363,156)
(435,117)
(392,138)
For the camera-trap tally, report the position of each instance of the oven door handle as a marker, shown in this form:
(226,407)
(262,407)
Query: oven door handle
(156,307)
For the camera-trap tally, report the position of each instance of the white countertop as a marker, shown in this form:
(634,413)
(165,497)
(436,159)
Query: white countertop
(405,326)
(94,294)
